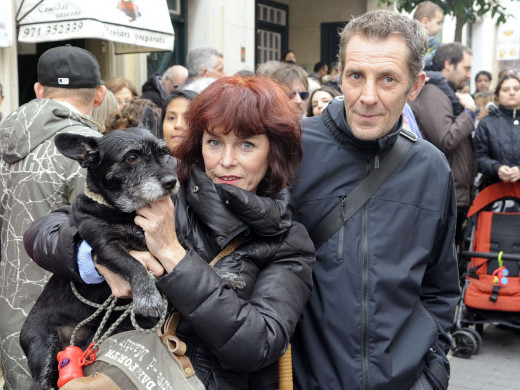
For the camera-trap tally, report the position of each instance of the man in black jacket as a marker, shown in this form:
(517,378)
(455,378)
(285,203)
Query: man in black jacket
(386,281)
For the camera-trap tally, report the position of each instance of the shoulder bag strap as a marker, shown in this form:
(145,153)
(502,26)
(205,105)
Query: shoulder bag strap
(333,221)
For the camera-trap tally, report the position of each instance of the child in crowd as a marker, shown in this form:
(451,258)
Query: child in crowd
(431,16)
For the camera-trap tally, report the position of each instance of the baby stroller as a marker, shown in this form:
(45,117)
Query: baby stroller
(491,290)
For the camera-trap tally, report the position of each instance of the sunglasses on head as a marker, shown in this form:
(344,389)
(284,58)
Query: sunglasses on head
(304,95)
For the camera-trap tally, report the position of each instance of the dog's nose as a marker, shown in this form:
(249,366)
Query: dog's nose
(169,182)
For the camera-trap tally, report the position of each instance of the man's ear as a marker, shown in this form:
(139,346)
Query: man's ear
(448,65)
(39,90)
(417,86)
(101,91)
(204,72)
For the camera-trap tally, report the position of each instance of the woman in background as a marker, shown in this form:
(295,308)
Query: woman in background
(172,126)
(320,98)
(122,89)
(497,138)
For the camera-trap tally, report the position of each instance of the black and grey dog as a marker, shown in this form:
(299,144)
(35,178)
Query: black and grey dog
(126,170)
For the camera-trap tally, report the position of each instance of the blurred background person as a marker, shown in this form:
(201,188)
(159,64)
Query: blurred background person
(294,78)
(497,138)
(172,125)
(203,62)
(122,89)
(431,16)
(289,56)
(320,98)
(320,70)
(130,115)
(158,87)
(101,112)
(481,101)
(482,81)
(335,77)
(506,71)
(266,68)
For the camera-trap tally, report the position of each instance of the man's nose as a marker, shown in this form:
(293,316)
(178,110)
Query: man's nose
(369,93)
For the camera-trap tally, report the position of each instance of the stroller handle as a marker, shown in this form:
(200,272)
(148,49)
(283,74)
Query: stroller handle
(490,255)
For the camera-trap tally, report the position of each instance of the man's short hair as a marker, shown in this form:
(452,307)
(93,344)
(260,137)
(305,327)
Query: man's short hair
(453,51)
(380,25)
(75,96)
(201,58)
(427,9)
(319,66)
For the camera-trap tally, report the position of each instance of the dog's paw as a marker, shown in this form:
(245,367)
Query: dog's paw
(149,305)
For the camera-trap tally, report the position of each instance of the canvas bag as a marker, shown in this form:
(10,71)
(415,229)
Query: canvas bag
(135,361)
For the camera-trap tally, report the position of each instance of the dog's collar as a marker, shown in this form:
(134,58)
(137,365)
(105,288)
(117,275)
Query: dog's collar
(96,197)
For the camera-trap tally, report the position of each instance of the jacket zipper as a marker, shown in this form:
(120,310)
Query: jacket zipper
(365,298)
(341,235)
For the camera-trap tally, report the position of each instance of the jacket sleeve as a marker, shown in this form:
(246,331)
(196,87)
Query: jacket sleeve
(52,242)
(440,291)
(486,164)
(245,335)
(437,122)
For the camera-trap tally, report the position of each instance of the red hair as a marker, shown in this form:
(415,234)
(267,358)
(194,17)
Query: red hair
(247,106)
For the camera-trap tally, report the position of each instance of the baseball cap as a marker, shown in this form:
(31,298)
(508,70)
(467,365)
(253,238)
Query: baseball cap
(69,67)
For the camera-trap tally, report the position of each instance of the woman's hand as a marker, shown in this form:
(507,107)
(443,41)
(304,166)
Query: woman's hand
(119,286)
(504,173)
(158,222)
(515,174)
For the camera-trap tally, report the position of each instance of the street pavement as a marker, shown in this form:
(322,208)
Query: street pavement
(496,366)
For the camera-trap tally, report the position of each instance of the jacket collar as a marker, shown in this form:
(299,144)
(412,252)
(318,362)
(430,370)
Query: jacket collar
(227,210)
(508,112)
(336,123)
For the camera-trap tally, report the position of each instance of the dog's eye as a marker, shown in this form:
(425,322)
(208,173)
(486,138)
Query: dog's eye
(131,158)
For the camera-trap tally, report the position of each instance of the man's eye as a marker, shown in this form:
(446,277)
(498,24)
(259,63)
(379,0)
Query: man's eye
(389,79)
(131,158)
(356,76)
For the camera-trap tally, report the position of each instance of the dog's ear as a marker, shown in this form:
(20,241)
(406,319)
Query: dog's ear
(148,120)
(84,150)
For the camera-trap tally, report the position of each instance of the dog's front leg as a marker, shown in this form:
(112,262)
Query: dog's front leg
(147,299)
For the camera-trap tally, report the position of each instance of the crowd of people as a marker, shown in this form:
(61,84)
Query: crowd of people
(365,296)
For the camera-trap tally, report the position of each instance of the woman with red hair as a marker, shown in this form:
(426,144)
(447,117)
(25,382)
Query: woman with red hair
(240,151)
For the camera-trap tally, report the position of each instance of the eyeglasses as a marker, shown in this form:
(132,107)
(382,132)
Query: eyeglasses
(304,95)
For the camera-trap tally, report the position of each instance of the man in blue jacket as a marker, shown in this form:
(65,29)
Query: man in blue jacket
(386,282)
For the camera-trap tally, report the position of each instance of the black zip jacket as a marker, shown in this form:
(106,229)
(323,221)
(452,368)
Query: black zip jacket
(229,333)
(386,284)
(497,141)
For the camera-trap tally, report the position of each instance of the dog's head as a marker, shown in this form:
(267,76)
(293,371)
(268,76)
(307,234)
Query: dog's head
(129,168)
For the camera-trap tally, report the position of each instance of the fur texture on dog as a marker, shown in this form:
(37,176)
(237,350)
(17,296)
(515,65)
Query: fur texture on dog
(126,170)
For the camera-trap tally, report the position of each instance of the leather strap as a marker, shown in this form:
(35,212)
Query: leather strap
(333,221)
(167,331)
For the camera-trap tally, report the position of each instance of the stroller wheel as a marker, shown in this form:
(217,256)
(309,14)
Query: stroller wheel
(464,344)
(477,336)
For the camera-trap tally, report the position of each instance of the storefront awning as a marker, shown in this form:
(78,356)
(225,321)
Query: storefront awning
(135,25)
